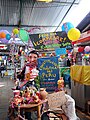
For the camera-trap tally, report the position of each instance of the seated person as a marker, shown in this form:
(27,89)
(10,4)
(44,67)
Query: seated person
(67,107)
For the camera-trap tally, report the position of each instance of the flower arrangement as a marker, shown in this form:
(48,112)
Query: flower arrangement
(27,96)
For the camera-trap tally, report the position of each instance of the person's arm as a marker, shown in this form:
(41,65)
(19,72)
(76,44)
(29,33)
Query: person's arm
(69,108)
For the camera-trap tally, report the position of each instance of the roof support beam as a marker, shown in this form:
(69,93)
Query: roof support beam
(25,26)
(65,15)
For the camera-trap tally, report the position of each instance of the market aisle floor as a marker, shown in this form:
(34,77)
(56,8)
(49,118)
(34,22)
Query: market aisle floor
(6,93)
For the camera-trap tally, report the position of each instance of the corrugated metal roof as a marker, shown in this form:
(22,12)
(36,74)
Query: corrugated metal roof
(33,14)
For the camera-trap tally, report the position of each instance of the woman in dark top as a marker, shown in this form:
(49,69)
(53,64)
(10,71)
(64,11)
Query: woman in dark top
(2,69)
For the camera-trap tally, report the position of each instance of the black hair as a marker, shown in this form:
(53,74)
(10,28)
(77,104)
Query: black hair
(34,52)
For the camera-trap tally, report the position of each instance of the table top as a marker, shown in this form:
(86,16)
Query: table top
(31,105)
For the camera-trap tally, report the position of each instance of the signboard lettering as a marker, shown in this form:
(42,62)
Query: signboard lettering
(48,72)
(50,40)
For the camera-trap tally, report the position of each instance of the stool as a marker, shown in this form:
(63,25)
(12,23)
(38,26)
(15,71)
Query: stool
(88,107)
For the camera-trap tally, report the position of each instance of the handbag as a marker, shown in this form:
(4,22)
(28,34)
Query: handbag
(50,115)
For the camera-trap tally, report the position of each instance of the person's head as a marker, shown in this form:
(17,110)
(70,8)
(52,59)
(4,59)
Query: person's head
(32,56)
(52,54)
(2,63)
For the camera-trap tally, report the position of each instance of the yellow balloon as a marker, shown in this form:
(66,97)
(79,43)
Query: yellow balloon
(73,34)
(15,31)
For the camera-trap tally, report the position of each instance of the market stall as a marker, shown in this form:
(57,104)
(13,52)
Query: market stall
(80,72)
(80,85)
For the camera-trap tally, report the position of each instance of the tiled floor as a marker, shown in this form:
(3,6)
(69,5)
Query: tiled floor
(6,93)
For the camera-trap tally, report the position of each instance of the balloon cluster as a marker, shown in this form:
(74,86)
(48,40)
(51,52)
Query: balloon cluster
(72,32)
(85,50)
(81,49)
(5,36)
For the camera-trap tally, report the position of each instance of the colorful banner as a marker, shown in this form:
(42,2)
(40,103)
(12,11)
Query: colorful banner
(80,74)
(48,72)
(50,40)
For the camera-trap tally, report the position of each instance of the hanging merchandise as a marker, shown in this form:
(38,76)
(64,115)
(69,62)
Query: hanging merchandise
(73,34)
(15,31)
(87,49)
(80,49)
(75,49)
(67,26)
(3,34)
(23,35)
(8,36)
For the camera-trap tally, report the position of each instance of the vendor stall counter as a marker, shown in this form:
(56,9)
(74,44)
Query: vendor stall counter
(80,85)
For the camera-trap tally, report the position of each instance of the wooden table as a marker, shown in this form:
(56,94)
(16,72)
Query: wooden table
(32,107)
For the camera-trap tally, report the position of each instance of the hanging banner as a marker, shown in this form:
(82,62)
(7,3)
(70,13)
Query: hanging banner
(48,73)
(80,74)
(50,40)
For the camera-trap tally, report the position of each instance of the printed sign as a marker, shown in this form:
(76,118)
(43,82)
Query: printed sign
(60,51)
(48,72)
(56,100)
(50,40)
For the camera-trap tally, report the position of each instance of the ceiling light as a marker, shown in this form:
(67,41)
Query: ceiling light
(45,1)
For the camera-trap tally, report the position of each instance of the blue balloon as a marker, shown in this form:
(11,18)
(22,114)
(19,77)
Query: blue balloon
(86,52)
(8,36)
(67,26)
(16,36)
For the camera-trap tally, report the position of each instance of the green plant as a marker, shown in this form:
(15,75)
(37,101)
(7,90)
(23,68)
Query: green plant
(37,81)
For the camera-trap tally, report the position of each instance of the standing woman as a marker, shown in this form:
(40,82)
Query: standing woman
(2,68)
